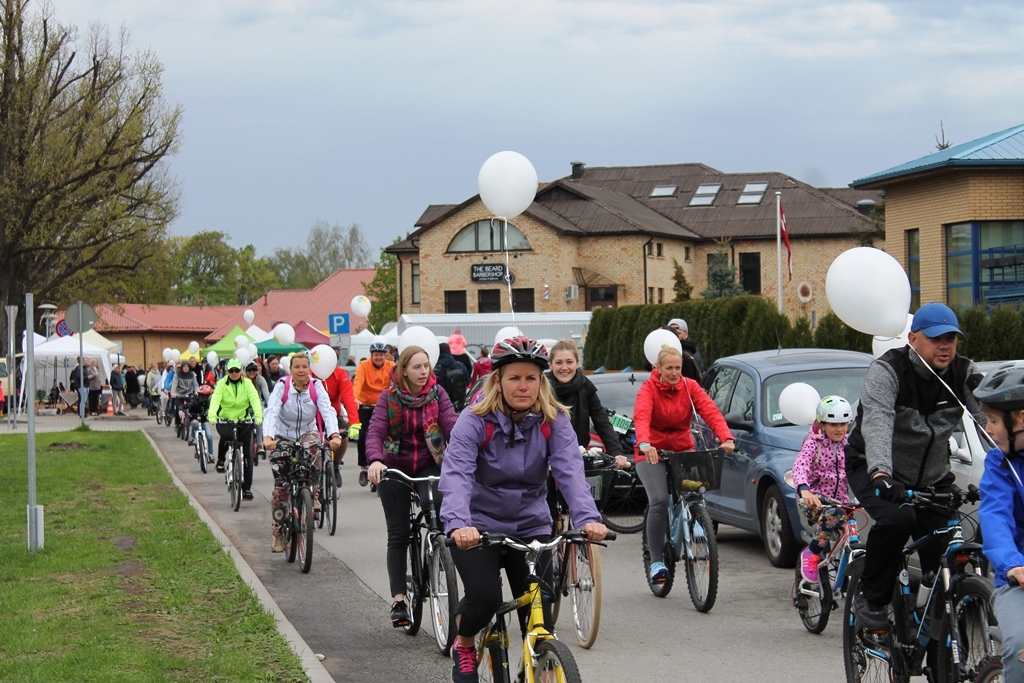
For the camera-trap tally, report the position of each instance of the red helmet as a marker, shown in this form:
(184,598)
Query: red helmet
(519,349)
(204,390)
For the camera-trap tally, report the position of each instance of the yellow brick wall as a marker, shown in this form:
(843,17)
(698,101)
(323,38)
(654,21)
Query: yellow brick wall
(141,349)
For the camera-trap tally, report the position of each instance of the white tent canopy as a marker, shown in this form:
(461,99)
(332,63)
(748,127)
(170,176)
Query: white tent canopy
(39,339)
(55,359)
(258,334)
(96,339)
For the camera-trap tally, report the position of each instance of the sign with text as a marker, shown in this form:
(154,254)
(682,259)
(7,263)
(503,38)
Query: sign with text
(489,272)
(338,323)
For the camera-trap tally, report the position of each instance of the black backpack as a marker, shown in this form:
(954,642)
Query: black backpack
(455,384)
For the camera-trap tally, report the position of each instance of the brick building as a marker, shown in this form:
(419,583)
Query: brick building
(955,220)
(608,237)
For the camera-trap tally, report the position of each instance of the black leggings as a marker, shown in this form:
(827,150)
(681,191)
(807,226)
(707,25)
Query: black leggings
(480,569)
(395,498)
(365,412)
(245,436)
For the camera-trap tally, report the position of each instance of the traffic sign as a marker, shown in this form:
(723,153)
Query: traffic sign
(80,317)
(63,329)
(338,323)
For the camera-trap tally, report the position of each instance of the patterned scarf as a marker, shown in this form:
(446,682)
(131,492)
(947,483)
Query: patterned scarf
(398,401)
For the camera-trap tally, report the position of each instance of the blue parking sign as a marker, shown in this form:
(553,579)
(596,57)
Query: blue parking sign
(338,323)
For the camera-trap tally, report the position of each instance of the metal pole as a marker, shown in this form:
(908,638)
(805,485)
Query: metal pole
(81,365)
(778,244)
(12,314)
(35,512)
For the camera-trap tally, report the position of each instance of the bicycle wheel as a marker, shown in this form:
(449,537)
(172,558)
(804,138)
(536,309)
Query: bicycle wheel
(973,617)
(291,528)
(330,504)
(991,671)
(305,530)
(235,485)
(560,575)
(320,515)
(414,585)
(813,601)
(444,594)
(660,590)
(866,655)
(626,503)
(493,657)
(201,447)
(701,560)
(585,575)
(555,662)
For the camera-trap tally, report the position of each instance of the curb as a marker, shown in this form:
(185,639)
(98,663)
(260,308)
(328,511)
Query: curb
(314,669)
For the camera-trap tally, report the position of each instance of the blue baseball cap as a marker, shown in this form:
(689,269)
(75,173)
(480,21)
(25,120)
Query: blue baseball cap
(935,320)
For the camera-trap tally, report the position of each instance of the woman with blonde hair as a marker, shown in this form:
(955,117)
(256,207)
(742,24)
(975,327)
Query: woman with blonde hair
(494,479)
(662,416)
(409,430)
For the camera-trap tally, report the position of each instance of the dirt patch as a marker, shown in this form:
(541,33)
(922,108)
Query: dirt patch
(67,446)
(129,568)
(95,486)
(125,543)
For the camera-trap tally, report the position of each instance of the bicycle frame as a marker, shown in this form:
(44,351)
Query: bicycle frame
(840,555)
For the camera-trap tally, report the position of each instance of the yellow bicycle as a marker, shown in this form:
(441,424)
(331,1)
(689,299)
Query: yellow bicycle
(545,659)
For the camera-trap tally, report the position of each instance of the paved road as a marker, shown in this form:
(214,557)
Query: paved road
(341,606)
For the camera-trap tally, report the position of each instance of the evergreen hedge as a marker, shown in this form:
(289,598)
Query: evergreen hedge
(740,324)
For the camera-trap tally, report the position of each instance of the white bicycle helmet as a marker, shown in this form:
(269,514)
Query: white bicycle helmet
(834,409)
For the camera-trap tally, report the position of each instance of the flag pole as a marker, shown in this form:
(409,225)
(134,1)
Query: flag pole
(778,244)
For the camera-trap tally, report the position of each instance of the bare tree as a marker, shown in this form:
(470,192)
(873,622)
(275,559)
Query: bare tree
(85,197)
(329,248)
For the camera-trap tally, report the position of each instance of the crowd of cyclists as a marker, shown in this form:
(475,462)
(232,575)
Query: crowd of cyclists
(524,426)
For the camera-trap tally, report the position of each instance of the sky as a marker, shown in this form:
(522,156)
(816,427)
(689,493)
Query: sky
(353,111)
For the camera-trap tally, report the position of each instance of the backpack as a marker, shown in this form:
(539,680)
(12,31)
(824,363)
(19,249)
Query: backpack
(312,396)
(455,385)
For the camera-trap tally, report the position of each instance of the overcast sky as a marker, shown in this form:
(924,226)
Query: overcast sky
(365,112)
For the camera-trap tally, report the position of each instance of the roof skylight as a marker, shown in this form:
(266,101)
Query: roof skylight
(753,193)
(663,191)
(705,194)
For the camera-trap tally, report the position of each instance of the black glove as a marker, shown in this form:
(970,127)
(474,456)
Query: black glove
(888,489)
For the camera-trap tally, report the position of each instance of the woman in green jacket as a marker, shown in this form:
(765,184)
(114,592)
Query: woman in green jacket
(234,399)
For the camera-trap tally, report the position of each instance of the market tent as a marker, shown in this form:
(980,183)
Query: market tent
(226,346)
(96,339)
(55,359)
(273,346)
(39,339)
(309,336)
(258,333)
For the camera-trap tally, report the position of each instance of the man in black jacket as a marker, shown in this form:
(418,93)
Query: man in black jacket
(693,364)
(452,376)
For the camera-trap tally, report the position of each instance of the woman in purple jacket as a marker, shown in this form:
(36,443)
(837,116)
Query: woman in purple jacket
(494,479)
(410,427)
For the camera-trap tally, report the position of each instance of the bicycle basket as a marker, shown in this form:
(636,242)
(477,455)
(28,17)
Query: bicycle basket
(599,471)
(694,469)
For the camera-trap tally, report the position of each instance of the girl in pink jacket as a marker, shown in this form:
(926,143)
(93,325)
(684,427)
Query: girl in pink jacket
(820,470)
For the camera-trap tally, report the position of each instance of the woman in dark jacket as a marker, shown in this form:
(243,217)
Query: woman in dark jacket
(577,393)
(409,431)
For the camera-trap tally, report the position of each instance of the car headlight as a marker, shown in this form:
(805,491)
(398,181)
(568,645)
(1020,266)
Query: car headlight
(788,478)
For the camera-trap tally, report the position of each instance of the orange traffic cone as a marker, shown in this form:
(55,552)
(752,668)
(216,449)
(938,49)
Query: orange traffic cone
(110,406)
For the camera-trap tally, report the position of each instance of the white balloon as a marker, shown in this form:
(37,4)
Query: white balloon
(248,316)
(655,340)
(420,336)
(212,358)
(167,355)
(193,347)
(175,355)
(286,364)
(869,291)
(243,355)
(508,184)
(284,334)
(241,341)
(798,403)
(322,360)
(360,306)
(879,345)
(253,351)
(506,333)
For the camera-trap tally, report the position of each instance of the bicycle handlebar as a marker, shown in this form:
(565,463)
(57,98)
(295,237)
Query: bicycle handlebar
(388,471)
(571,536)
(954,499)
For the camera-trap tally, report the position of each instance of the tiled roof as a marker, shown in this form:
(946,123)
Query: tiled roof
(333,295)
(1005,148)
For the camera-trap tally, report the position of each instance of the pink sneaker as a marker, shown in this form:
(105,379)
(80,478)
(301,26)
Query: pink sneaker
(809,565)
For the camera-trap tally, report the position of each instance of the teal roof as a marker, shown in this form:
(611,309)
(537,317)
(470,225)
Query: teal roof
(1005,148)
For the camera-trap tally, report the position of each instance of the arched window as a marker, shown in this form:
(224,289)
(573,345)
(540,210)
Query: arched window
(486,236)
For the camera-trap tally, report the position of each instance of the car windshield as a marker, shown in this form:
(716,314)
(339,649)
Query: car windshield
(845,382)
(619,395)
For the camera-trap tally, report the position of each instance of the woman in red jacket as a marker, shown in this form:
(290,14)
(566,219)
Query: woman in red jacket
(662,416)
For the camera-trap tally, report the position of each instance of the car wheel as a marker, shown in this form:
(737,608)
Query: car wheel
(776,530)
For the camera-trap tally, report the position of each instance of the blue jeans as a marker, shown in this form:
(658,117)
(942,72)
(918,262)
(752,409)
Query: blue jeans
(83,397)
(1008,604)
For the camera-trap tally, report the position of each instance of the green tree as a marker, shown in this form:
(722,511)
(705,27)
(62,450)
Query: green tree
(254,276)
(721,276)
(85,134)
(680,285)
(382,291)
(206,266)
(328,249)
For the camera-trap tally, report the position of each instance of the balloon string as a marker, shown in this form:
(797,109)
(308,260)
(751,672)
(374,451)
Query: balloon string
(508,271)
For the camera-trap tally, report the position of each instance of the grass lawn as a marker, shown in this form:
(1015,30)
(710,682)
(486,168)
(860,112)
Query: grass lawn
(131,585)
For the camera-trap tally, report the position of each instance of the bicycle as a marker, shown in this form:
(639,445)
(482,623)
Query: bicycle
(427,549)
(295,463)
(961,647)
(181,406)
(202,445)
(235,462)
(577,567)
(691,536)
(816,601)
(626,501)
(328,494)
(542,652)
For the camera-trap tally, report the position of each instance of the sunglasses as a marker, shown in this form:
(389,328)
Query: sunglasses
(234,370)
